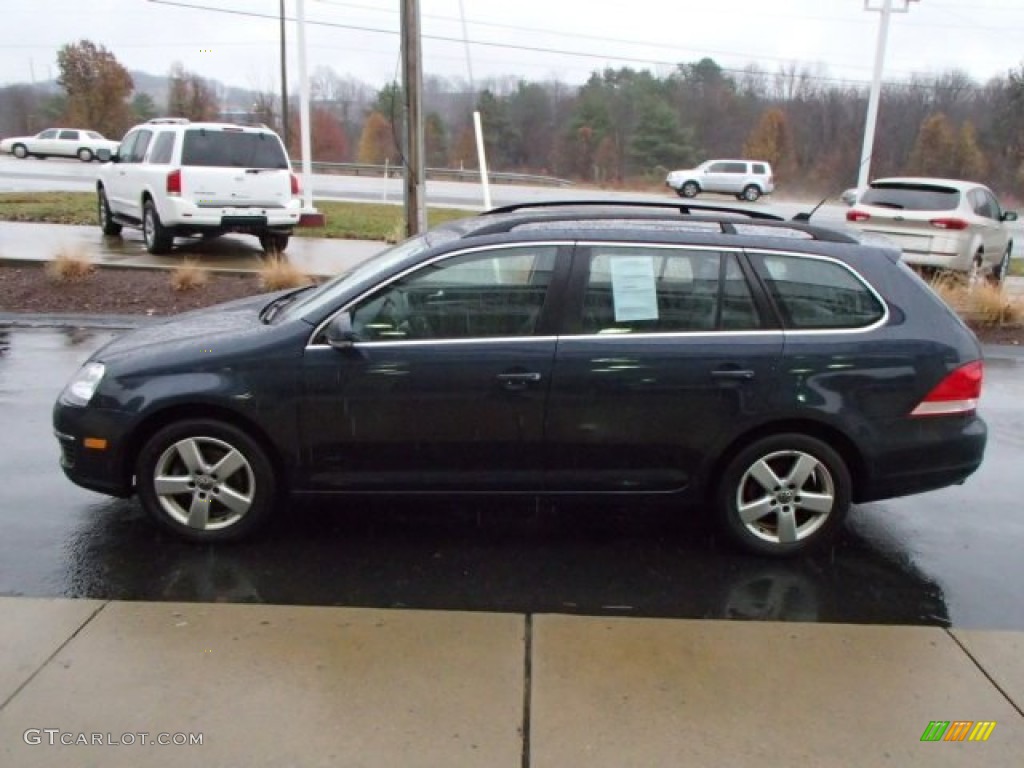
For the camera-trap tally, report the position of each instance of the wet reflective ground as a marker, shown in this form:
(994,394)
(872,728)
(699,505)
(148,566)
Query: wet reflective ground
(951,557)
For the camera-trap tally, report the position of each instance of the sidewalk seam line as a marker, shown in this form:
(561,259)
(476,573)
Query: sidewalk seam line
(527,687)
(53,655)
(985,672)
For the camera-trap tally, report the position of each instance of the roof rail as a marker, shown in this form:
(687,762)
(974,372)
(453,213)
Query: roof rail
(168,121)
(683,208)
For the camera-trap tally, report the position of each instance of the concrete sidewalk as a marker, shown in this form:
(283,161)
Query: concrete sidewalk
(303,686)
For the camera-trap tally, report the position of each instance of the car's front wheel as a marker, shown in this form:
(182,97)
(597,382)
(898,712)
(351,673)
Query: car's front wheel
(784,494)
(689,189)
(158,239)
(20,151)
(206,480)
(1000,270)
(107,223)
(85,155)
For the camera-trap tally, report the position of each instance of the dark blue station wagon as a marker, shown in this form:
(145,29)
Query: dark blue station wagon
(773,371)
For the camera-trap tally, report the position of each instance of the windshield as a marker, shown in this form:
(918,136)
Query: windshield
(328,293)
(226,148)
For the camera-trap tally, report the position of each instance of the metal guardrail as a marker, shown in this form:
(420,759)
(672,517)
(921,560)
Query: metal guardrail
(449,174)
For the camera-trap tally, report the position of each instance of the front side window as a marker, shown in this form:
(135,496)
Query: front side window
(718,168)
(495,293)
(124,151)
(48,134)
(665,290)
(818,294)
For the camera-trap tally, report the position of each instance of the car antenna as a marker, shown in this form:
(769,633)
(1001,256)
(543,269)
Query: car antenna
(806,215)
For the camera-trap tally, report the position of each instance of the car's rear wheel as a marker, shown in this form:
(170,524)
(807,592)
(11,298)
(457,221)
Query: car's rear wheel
(1000,270)
(751,193)
(20,151)
(273,242)
(85,155)
(206,480)
(107,223)
(158,240)
(689,189)
(784,495)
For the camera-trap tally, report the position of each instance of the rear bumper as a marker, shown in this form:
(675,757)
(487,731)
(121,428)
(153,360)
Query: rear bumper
(184,215)
(924,454)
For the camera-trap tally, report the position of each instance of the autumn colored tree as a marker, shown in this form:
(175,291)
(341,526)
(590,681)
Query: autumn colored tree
(968,159)
(190,96)
(771,141)
(934,148)
(377,142)
(327,137)
(97,88)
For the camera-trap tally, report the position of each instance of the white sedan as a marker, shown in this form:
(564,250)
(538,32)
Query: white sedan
(59,142)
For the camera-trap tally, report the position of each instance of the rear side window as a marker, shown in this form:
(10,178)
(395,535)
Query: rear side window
(911,197)
(232,149)
(760,169)
(162,149)
(69,135)
(817,294)
(665,290)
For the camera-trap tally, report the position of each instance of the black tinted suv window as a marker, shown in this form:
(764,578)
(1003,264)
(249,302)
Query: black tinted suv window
(232,149)
(911,197)
(814,293)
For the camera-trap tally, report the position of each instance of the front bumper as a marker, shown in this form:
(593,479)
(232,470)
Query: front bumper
(105,470)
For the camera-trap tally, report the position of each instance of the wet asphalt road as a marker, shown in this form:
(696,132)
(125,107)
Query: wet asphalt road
(951,557)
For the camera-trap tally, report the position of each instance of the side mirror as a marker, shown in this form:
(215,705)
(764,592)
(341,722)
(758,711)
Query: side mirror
(1009,215)
(339,332)
(103,155)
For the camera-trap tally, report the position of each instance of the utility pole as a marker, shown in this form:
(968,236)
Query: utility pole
(284,83)
(886,9)
(412,82)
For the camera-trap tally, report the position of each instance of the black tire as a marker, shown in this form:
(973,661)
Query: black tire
(20,151)
(689,189)
(157,238)
(751,193)
(107,223)
(1000,270)
(85,155)
(210,506)
(814,467)
(273,242)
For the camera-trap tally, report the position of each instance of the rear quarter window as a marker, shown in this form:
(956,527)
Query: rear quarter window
(911,197)
(213,147)
(818,294)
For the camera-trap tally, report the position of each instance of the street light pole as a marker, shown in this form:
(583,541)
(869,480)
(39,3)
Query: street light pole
(284,84)
(886,10)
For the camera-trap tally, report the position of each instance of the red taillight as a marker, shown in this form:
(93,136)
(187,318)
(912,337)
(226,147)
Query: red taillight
(957,393)
(174,182)
(296,189)
(949,223)
(857,216)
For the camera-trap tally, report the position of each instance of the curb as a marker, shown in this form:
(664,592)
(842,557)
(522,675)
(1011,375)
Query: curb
(76,320)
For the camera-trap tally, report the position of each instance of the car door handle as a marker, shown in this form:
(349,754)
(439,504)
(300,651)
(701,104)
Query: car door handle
(733,373)
(517,381)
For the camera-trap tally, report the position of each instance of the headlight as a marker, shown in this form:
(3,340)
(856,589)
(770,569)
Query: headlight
(82,387)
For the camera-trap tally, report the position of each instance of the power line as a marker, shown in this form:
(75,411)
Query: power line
(528,48)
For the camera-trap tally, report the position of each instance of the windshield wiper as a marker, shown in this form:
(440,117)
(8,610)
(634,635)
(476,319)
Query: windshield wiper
(273,309)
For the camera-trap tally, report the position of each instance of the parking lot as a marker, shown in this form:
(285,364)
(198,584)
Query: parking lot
(944,558)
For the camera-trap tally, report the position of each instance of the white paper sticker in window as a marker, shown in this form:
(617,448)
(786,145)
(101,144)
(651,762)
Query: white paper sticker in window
(633,288)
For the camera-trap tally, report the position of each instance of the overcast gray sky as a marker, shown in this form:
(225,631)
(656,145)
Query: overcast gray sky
(534,39)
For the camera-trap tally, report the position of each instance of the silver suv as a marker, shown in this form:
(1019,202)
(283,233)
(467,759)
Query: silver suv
(174,178)
(746,179)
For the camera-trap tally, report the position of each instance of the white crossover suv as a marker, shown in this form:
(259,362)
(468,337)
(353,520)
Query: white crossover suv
(746,179)
(174,178)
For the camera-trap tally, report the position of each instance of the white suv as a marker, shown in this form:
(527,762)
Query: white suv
(746,179)
(171,177)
